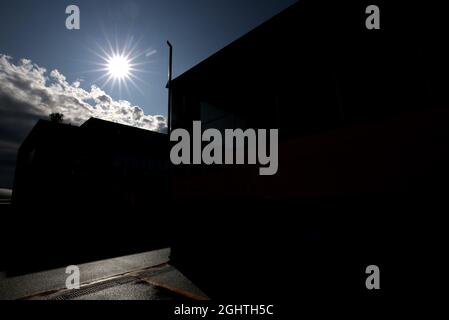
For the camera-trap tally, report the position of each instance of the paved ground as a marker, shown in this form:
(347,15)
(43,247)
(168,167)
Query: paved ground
(145,276)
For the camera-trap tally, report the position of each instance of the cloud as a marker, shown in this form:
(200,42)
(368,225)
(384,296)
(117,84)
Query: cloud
(29,92)
(150,52)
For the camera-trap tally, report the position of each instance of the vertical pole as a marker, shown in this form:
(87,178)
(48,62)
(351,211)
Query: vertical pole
(170,74)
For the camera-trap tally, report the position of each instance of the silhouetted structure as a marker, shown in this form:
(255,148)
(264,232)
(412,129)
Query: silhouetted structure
(362,117)
(363,125)
(86,193)
(343,97)
(100,164)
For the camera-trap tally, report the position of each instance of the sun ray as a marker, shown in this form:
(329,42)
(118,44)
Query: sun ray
(119,65)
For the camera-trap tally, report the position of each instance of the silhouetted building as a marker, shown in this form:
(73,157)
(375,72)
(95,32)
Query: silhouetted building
(343,98)
(363,137)
(363,134)
(100,164)
(86,193)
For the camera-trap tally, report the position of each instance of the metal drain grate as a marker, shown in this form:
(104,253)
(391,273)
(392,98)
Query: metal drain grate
(94,288)
(97,287)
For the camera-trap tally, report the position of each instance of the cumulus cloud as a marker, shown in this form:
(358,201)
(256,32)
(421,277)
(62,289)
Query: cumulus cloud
(46,92)
(29,92)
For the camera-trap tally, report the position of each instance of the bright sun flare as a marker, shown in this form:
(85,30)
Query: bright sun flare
(119,67)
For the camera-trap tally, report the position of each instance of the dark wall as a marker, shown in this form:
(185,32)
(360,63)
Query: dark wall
(86,193)
(316,67)
(363,122)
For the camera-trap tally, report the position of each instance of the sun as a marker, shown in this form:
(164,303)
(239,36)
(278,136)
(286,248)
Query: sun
(119,67)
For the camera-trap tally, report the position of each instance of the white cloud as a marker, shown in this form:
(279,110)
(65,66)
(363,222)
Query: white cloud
(45,93)
(29,92)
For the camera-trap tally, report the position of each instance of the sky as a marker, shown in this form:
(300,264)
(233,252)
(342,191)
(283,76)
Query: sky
(46,68)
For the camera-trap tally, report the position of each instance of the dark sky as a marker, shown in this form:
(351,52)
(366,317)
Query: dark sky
(46,68)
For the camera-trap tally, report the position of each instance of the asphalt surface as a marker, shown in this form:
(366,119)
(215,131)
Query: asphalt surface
(145,276)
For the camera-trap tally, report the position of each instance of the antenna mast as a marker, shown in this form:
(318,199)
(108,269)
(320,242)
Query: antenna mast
(170,74)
